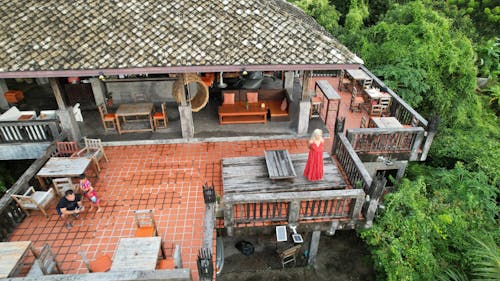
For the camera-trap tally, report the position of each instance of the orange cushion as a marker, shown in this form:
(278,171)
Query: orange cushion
(158,115)
(252,97)
(101,264)
(228,98)
(145,231)
(284,105)
(165,264)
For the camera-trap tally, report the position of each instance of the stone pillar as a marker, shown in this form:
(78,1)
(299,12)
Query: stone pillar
(56,89)
(304,111)
(288,83)
(313,248)
(187,125)
(99,90)
(68,124)
(3,88)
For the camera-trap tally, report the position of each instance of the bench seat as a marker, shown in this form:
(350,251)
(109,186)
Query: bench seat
(275,110)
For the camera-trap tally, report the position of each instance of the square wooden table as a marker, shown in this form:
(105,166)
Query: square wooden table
(137,110)
(62,167)
(11,256)
(386,122)
(279,165)
(137,254)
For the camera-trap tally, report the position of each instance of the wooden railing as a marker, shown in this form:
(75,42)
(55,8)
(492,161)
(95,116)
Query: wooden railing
(28,131)
(387,140)
(353,166)
(292,207)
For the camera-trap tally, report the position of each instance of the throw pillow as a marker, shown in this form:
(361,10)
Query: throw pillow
(228,98)
(252,97)
(284,105)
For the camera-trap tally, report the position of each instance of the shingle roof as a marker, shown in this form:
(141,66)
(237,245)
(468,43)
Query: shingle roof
(120,34)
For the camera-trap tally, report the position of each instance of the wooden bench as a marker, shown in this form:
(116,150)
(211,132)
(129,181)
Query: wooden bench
(237,113)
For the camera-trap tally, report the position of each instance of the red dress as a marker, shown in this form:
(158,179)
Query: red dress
(314,165)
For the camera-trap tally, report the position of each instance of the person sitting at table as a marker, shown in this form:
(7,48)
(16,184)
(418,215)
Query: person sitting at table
(89,192)
(314,164)
(69,206)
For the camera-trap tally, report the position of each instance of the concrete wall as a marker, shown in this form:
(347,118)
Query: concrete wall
(156,91)
(373,167)
(22,151)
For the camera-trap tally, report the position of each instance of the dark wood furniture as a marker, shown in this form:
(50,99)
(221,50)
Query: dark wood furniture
(238,113)
(272,98)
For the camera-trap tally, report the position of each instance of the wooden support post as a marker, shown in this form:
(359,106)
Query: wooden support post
(431,132)
(375,194)
(56,88)
(68,124)
(303,124)
(416,146)
(333,227)
(228,218)
(99,90)
(3,88)
(293,212)
(313,248)
(187,124)
(209,226)
(181,80)
(288,83)
(306,94)
(339,129)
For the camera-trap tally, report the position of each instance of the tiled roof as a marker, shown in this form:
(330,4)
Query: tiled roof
(120,34)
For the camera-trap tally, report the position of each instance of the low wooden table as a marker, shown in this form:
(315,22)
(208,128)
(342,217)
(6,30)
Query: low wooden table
(61,167)
(238,113)
(279,165)
(134,109)
(386,122)
(137,254)
(11,256)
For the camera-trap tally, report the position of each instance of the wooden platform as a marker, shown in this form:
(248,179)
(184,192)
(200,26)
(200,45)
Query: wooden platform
(250,175)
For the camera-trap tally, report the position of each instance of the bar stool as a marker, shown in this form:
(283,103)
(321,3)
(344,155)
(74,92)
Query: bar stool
(316,103)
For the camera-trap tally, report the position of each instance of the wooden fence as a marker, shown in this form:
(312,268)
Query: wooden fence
(353,166)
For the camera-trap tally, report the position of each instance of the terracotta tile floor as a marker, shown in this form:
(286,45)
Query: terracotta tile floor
(165,178)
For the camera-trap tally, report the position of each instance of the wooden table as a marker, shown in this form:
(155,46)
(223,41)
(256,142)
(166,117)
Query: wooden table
(279,165)
(386,122)
(358,74)
(137,254)
(330,94)
(237,113)
(376,94)
(11,256)
(137,110)
(61,167)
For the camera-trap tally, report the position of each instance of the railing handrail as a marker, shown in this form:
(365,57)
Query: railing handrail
(396,97)
(383,131)
(291,196)
(28,123)
(357,161)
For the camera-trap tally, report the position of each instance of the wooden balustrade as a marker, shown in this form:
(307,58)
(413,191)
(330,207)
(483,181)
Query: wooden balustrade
(353,166)
(292,207)
(387,140)
(28,131)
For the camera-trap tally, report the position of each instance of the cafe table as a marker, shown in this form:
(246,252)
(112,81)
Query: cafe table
(134,110)
(63,167)
(386,122)
(11,256)
(139,253)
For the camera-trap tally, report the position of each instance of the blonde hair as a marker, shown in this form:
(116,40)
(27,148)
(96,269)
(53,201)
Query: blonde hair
(315,133)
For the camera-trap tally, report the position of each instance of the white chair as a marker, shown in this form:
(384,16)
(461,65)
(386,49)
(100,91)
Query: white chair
(34,200)
(61,185)
(45,264)
(93,149)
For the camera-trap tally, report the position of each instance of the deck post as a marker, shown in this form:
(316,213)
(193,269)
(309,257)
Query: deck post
(333,228)
(228,218)
(3,88)
(293,213)
(68,123)
(303,124)
(376,192)
(313,248)
(56,89)
(339,128)
(416,146)
(99,90)
(431,132)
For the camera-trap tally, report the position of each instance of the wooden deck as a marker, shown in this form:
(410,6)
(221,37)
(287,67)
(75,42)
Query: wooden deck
(250,175)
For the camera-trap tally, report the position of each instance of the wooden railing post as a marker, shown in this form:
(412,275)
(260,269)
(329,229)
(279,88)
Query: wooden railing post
(416,146)
(431,132)
(294,211)
(339,129)
(228,217)
(375,194)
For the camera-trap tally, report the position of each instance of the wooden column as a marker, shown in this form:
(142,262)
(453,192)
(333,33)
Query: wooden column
(56,88)
(306,94)
(99,90)
(313,248)
(68,124)
(431,132)
(374,195)
(187,124)
(416,146)
(293,212)
(339,129)
(304,105)
(3,88)
(288,83)
(228,218)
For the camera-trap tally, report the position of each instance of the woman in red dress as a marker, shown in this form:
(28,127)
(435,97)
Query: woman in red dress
(314,165)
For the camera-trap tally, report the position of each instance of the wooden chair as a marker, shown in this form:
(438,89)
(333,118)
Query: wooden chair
(63,184)
(376,110)
(146,225)
(45,264)
(364,122)
(344,81)
(34,200)
(66,148)
(289,255)
(101,264)
(93,149)
(356,101)
(171,262)
(367,83)
(385,103)
(107,118)
(159,117)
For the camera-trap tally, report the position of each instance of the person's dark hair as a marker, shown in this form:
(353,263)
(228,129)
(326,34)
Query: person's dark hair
(82,176)
(69,192)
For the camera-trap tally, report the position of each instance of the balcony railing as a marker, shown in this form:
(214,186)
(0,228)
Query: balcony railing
(28,131)
(353,166)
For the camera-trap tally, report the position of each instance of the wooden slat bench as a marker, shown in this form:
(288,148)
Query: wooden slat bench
(279,165)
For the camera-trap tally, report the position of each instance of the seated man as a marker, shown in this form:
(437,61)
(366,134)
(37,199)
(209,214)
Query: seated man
(70,204)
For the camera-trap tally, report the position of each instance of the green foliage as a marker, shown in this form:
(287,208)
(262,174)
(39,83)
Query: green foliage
(489,58)
(486,260)
(358,12)
(325,14)
(484,13)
